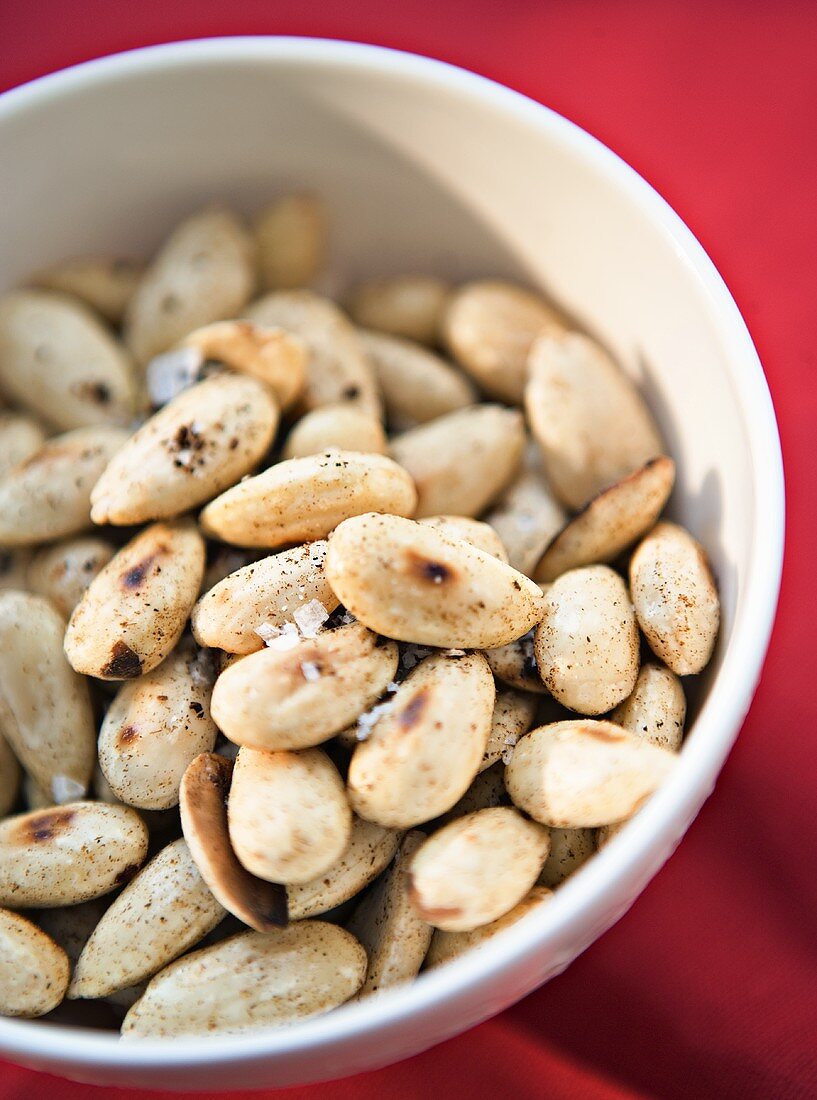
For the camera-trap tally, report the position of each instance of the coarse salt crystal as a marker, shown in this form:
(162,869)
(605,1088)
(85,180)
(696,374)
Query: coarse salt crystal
(310,618)
(64,789)
(172,372)
(286,638)
(266,631)
(310,670)
(367,721)
(507,755)
(455,653)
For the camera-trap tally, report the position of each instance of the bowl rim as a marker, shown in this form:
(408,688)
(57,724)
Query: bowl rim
(627,856)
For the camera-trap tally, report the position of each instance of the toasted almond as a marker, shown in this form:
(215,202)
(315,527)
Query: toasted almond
(291,234)
(587,647)
(306,498)
(34,971)
(416,384)
(204,272)
(203,802)
(266,593)
(514,712)
(271,355)
(164,911)
(472,531)
(569,849)
(581,774)
(199,444)
(338,369)
(489,327)
(589,420)
(134,611)
(20,437)
(487,790)
(414,584)
(410,306)
(105,283)
(385,923)
(61,573)
(611,521)
(45,709)
(48,496)
(341,427)
(446,946)
(288,815)
(421,756)
(527,515)
(515,665)
(59,361)
(248,981)
(476,868)
(461,462)
(298,697)
(155,726)
(369,851)
(676,600)
(67,854)
(656,710)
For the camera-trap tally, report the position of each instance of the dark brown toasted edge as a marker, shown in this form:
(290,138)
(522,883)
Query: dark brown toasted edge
(203,806)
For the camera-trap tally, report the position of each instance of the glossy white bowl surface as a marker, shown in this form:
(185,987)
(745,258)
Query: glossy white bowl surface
(430,168)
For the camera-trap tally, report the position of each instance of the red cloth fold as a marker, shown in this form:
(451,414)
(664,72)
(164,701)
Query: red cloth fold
(707,987)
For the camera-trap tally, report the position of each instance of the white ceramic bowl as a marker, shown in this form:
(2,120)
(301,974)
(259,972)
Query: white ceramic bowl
(430,168)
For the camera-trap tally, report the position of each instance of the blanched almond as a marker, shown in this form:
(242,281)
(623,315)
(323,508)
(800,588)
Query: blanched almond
(527,515)
(48,496)
(473,531)
(589,420)
(248,981)
(104,283)
(67,854)
(265,593)
(45,709)
(385,923)
(515,664)
(203,803)
(587,649)
(342,427)
(34,971)
(446,946)
(514,712)
(291,234)
(20,437)
(306,498)
(204,272)
(581,774)
(411,306)
(134,611)
(421,756)
(569,849)
(487,790)
(271,355)
(288,815)
(461,462)
(489,327)
(155,726)
(300,696)
(656,709)
(675,598)
(611,521)
(413,583)
(476,868)
(416,384)
(165,910)
(338,369)
(59,361)
(370,850)
(199,444)
(61,573)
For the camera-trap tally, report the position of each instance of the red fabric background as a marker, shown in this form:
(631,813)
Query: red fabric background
(707,987)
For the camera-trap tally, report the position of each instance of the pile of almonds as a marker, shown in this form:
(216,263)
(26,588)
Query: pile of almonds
(367,616)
